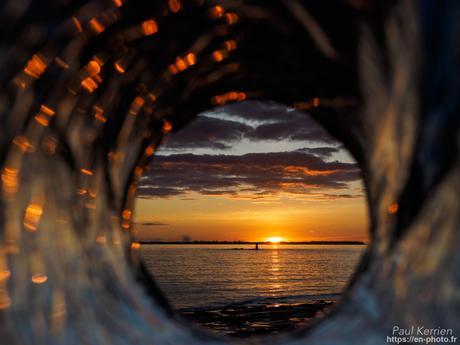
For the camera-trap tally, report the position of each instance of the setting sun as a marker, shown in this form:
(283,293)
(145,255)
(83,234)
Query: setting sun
(274,239)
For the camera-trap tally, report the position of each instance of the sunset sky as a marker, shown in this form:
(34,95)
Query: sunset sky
(251,171)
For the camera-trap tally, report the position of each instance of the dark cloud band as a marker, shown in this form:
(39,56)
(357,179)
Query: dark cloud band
(255,174)
(254,121)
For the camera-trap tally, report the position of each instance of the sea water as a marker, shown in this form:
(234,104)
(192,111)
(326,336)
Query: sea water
(201,276)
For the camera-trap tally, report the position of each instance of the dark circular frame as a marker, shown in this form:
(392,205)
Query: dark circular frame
(90,89)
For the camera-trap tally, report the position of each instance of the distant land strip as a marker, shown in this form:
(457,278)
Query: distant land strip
(259,242)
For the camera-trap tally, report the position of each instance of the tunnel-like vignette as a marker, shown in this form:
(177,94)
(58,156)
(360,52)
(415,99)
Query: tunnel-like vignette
(88,90)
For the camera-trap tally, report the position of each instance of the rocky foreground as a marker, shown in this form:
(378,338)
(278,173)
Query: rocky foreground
(247,320)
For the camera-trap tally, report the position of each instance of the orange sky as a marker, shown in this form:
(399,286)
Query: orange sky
(221,218)
(249,186)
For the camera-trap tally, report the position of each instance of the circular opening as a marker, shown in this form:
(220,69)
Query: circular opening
(251,220)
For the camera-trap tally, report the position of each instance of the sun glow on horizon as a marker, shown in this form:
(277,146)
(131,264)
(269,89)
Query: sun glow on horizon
(274,239)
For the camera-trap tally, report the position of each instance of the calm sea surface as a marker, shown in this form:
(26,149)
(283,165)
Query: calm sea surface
(198,276)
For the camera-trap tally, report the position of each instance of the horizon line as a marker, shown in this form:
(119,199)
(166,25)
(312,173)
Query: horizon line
(250,242)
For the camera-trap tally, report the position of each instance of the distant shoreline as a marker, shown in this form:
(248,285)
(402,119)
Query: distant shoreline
(260,243)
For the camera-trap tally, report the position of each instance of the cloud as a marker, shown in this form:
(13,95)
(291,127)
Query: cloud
(330,196)
(278,122)
(207,132)
(253,175)
(324,152)
(260,111)
(299,127)
(255,121)
(158,191)
(151,223)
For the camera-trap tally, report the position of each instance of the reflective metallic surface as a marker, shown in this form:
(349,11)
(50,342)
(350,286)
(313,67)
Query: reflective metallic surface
(90,88)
